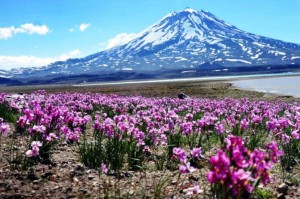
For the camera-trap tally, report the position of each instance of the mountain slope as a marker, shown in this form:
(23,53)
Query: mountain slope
(185,39)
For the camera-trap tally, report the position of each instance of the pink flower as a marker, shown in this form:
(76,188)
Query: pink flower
(186,168)
(196,153)
(295,135)
(4,128)
(34,152)
(36,144)
(39,128)
(29,153)
(104,168)
(193,190)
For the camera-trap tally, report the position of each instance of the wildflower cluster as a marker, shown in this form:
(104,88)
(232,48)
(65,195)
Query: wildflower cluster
(236,169)
(127,132)
(180,155)
(4,128)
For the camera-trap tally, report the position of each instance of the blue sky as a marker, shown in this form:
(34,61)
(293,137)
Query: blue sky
(38,32)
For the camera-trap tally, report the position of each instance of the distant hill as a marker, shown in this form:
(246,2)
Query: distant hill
(9,82)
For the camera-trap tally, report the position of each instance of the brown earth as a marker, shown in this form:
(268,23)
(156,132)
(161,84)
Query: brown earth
(200,89)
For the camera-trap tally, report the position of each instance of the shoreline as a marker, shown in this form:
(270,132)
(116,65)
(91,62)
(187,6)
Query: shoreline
(191,79)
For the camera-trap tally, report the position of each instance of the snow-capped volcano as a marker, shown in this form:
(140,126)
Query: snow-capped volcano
(185,39)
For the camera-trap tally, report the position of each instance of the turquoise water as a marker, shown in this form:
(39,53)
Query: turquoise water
(287,85)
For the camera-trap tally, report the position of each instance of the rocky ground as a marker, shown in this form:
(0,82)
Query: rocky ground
(65,177)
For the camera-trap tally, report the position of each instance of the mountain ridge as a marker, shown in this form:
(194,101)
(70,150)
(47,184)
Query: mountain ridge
(180,40)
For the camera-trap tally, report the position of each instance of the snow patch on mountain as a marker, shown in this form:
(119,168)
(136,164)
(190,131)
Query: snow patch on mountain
(239,60)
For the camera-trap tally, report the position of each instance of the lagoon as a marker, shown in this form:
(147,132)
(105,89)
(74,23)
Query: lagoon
(285,85)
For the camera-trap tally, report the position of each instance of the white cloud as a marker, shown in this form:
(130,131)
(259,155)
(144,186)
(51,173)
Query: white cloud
(9,62)
(7,32)
(71,30)
(69,55)
(120,39)
(28,28)
(31,29)
(74,53)
(84,26)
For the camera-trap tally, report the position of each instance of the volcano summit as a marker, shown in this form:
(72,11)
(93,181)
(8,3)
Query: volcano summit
(183,40)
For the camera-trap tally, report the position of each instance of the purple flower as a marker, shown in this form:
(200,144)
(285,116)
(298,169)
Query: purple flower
(196,153)
(39,128)
(179,154)
(256,119)
(295,135)
(187,128)
(186,168)
(4,128)
(244,124)
(274,152)
(220,128)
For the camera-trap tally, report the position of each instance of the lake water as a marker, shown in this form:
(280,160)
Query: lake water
(286,85)
(210,78)
(280,83)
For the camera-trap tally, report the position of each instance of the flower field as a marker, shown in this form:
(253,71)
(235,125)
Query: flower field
(137,147)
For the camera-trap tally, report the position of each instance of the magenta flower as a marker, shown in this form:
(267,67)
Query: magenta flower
(241,179)
(219,167)
(239,157)
(274,152)
(234,143)
(258,160)
(36,144)
(238,168)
